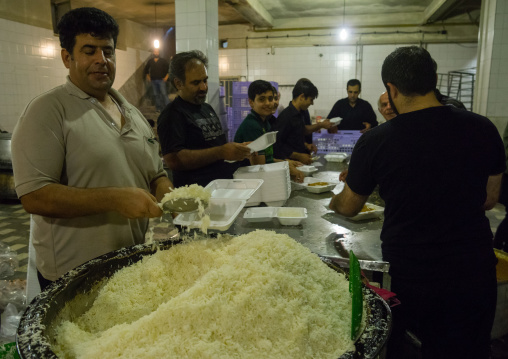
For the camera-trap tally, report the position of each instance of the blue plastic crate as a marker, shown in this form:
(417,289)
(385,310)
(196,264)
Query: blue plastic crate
(343,141)
(239,113)
(241,87)
(242,101)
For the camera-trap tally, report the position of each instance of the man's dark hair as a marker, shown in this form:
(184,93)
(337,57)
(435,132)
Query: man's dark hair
(354,82)
(411,69)
(305,87)
(259,87)
(86,20)
(181,61)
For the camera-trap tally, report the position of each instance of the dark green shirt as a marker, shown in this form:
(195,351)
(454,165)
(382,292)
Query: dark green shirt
(253,127)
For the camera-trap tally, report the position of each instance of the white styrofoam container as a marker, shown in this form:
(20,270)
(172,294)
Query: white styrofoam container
(291,216)
(336,156)
(376,212)
(287,216)
(234,188)
(276,187)
(222,212)
(307,170)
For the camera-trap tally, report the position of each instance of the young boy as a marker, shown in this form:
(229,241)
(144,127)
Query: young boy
(257,121)
(261,99)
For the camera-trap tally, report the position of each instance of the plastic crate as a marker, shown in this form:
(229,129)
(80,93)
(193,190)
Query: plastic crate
(241,87)
(239,113)
(343,141)
(241,101)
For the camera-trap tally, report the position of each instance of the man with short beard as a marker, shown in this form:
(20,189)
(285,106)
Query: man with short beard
(193,142)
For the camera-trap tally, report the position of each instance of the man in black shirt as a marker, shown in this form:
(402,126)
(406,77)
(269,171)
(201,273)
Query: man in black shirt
(193,141)
(156,73)
(436,188)
(291,125)
(356,114)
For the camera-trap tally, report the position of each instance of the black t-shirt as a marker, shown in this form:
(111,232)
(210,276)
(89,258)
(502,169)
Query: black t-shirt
(353,117)
(183,125)
(291,133)
(157,69)
(432,167)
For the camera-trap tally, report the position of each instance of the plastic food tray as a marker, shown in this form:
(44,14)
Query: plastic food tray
(336,156)
(307,170)
(222,212)
(263,141)
(287,216)
(376,212)
(234,188)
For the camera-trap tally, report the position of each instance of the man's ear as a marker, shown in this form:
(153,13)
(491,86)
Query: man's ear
(251,103)
(66,57)
(394,91)
(178,83)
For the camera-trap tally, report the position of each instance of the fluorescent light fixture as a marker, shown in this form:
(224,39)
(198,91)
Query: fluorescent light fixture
(343,34)
(156,44)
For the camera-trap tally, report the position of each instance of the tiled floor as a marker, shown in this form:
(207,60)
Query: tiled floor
(15,225)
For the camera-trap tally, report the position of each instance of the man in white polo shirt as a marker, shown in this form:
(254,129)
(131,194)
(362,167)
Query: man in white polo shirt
(86,163)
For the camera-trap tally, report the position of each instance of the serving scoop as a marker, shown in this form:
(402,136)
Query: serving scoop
(182,205)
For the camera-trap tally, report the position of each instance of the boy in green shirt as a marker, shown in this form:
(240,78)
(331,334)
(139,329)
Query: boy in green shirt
(261,99)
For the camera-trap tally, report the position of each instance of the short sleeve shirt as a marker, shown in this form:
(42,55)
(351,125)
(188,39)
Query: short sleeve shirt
(432,168)
(183,125)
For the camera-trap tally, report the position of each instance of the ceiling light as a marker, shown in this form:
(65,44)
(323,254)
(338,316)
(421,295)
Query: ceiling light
(156,44)
(343,34)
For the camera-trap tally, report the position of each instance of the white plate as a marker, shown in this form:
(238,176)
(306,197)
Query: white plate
(376,212)
(222,212)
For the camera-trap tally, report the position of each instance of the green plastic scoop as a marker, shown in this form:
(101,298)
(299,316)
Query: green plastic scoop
(355,290)
(182,205)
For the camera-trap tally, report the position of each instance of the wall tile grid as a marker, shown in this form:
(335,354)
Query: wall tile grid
(329,68)
(30,64)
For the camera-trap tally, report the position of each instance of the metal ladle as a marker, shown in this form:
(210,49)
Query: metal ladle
(182,205)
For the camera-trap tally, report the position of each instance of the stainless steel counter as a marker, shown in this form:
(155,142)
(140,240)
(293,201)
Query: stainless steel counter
(327,233)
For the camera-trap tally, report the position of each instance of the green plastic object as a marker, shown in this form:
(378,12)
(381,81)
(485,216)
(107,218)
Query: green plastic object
(9,351)
(355,290)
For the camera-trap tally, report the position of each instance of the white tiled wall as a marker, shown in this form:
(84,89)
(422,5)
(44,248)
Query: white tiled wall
(329,68)
(30,64)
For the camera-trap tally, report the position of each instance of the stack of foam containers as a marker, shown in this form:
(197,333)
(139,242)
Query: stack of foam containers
(240,105)
(276,187)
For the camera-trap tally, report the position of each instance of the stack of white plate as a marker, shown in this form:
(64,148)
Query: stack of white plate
(276,187)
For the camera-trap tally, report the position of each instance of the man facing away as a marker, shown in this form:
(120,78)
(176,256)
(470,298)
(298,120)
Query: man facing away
(86,165)
(193,141)
(356,114)
(436,187)
(291,125)
(156,73)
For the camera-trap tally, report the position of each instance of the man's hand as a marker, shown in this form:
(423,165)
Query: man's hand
(295,174)
(304,158)
(367,127)
(326,124)
(136,203)
(233,151)
(343,176)
(311,147)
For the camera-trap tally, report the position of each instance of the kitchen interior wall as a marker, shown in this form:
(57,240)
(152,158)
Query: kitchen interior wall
(330,67)
(30,64)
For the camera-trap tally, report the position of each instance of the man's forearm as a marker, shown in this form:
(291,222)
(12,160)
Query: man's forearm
(59,201)
(160,187)
(191,159)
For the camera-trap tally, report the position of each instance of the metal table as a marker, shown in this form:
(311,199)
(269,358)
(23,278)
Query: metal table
(326,233)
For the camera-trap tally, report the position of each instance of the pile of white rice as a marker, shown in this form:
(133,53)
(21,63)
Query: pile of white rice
(259,295)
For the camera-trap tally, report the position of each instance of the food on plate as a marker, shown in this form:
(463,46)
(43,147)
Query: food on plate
(259,295)
(319,184)
(366,208)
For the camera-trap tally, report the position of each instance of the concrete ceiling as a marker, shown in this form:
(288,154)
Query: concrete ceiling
(285,13)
